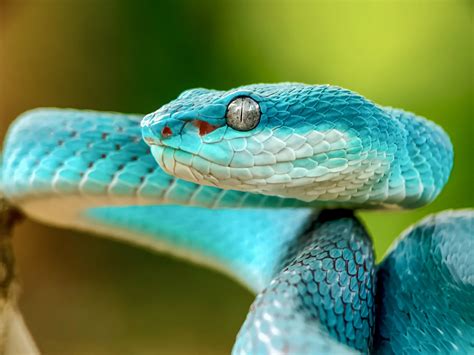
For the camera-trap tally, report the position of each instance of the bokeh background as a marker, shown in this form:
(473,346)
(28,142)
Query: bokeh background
(85,295)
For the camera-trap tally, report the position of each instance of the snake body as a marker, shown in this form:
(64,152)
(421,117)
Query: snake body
(237,180)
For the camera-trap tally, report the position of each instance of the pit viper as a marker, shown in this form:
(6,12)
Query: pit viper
(261,182)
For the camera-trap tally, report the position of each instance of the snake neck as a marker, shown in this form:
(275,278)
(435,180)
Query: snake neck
(421,165)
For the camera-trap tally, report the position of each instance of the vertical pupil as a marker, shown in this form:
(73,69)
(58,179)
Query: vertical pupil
(243,114)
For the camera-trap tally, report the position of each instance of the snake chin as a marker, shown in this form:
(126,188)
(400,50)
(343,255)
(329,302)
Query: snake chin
(198,169)
(281,179)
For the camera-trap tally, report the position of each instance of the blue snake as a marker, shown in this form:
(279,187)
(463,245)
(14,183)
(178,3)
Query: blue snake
(261,183)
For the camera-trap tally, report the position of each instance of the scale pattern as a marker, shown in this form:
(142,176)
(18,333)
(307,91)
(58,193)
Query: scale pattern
(426,289)
(322,299)
(313,143)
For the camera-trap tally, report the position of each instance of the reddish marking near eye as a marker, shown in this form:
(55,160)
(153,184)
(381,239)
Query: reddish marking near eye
(166,132)
(204,127)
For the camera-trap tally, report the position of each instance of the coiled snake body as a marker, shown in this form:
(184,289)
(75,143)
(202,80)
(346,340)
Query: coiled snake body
(260,182)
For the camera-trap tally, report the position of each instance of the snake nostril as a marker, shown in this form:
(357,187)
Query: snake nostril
(166,132)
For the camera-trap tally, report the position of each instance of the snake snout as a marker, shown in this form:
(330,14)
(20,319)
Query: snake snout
(163,132)
(150,136)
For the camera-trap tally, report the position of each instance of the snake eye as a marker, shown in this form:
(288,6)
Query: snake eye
(243,114)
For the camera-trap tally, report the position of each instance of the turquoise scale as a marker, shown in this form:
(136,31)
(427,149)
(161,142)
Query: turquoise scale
(426,289)
(322,297)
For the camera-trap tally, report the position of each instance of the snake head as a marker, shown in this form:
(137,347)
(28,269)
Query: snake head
(301,141)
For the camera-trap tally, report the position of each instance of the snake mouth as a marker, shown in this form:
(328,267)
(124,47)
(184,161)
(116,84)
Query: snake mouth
(198,168)
(181,163)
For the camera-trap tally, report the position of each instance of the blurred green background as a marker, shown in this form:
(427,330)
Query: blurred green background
(84,295)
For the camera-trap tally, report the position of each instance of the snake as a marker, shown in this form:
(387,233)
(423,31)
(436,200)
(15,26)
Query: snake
(263,183)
